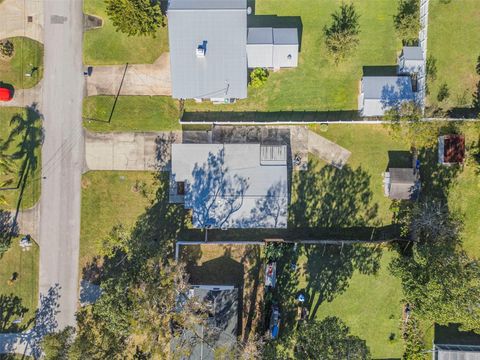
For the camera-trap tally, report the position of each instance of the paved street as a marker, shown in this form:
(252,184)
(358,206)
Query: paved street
(62,155)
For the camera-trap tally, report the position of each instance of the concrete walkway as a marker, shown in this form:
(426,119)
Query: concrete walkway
(28,222)
(129,151)
(14,15)
(25,97)
(149,79)
(327,150)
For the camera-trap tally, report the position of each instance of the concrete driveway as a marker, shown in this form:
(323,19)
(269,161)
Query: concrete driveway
(15,18)
(129,151)
(25,97)
(149,79)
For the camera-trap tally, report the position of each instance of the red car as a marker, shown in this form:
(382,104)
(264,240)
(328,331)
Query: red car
(5,94)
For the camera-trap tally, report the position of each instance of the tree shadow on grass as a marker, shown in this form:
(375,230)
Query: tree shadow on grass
(11,314)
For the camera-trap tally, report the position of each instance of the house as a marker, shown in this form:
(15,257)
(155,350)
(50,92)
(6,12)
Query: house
(220,330)
(208,49)
(231,185)
(450,343)
(451,149)
(401,183)
(272,48)
(381,93)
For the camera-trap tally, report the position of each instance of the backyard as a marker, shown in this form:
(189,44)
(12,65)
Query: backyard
(317,83)
(25,68)
(21,191)
(106,46)
(454,42)
(18,298)
(131,113)
(240,266)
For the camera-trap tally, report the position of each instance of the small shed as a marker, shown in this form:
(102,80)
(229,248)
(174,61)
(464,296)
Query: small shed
(401,183)
(410,60)
(451,149)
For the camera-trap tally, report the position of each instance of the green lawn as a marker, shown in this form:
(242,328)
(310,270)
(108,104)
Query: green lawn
(105,46)
(454,41)
(131,113)
(31,193)
(28,55)
(25,264)
(108,199)
(370,306)
(317,84)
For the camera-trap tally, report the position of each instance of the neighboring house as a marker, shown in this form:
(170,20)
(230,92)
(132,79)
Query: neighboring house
(220,331)
(381,93)
(456,352)
(451,149)
(272,48)
(401,183)
(208,49)
(231,185)
(452,344)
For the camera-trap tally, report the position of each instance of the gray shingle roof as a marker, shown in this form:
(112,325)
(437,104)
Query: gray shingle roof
(379,87)
(402,183)
(221,27)
(412,53)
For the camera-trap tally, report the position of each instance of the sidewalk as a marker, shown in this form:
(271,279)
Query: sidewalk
(16,16)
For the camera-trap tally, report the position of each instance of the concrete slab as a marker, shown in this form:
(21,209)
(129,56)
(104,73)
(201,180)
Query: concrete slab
(129,151)
(144,79)
(15,15)
(327,150)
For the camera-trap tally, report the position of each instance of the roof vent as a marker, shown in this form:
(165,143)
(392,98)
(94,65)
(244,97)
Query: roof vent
(289,57)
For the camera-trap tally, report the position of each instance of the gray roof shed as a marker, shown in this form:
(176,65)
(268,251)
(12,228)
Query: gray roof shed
(402,183)
(219,29)
(272,47)
(412,53)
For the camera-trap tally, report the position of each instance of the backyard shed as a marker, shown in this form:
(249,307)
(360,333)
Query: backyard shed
(401,183)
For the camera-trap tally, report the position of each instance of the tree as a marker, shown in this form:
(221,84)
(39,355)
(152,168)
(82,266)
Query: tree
(135,17)
(118,240)
(414,346)
(56,346)
(258,77)
(341,37)
(329,339)
(476,98)
(443,92)
(405,123)
(477,68)
(407,21)
(6,48)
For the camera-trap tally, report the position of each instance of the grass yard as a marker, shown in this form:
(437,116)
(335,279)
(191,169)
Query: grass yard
(454,41)
(106,46)
(370,305)
(27,58)
(241,266)
(31,192)
(25,288)
(131,113)
(108,199)
(317,84)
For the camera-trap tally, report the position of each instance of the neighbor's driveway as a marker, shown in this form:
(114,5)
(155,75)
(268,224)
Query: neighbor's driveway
(147,79)
(129,151)
(25,97)
(14,19)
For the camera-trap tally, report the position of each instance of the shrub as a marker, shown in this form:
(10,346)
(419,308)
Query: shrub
(258,77)
(407,21)
(443,92)
(478,65)
(6,48)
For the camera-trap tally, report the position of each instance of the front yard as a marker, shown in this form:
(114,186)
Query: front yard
(106,46)
(131,113)
(454,42)
(25,68)
(22,191)
(317,84)
(18,298)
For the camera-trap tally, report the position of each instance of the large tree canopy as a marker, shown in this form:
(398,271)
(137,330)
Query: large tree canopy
(135,17)
(407,21)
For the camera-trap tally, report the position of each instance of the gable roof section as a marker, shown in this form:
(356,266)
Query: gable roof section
(272,47)
(402,183)
(412,53)
(221,27)
(382,87)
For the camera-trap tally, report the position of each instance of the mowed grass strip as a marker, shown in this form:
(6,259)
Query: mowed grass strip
(27,59)
(106,46)
(317,83)
(31,193)
(454,41)
(109,199)
(25,287)
(131,113)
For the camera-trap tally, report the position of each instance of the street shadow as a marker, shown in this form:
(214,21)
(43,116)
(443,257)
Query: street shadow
(380,70)
(12,312)
(328,197)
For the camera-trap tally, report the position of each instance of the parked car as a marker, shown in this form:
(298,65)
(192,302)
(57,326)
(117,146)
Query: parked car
(271,274)
(5,94)
(274,322)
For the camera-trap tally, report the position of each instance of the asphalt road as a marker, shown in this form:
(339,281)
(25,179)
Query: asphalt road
(62,155)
